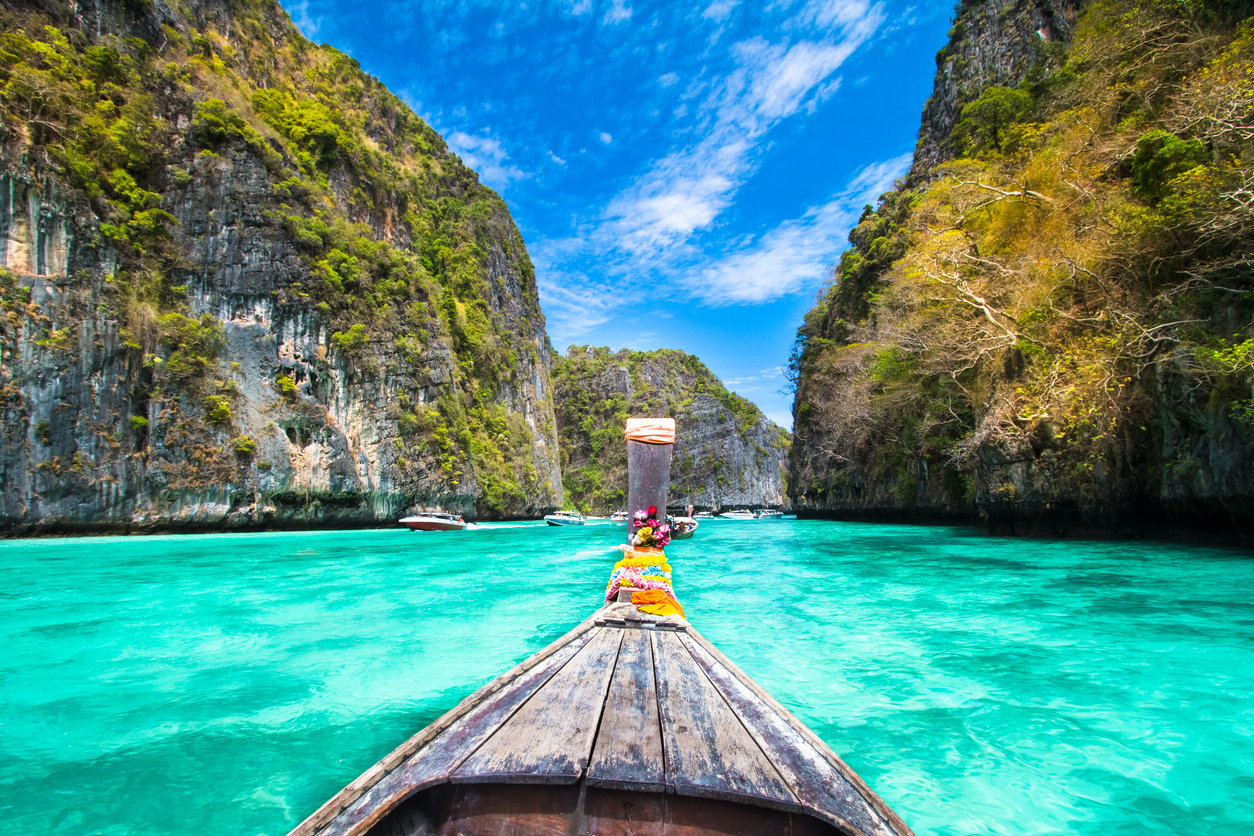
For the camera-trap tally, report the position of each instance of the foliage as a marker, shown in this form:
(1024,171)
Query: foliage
(1026,300)
(984,124)
(1160,158)
(217,409)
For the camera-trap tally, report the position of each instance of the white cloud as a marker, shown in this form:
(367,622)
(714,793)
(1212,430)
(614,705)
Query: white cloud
(719,10)
(606,138)
(486,156)
(794,256)
(652,233)
(688,189)
(779,77)
(556,158)
(617,13)
(581,7)
(797,253)
(308,26)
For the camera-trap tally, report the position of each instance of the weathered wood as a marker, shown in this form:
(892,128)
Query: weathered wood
(549,739)
(648,477)
(818,785)
(480,716)
(505,810)
(497,810)
(885,812)
(628,752)
(708,752)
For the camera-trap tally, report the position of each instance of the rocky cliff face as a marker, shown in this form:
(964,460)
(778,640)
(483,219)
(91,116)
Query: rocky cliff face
(991,44)
(243,285)
(727,454)
(1044,329)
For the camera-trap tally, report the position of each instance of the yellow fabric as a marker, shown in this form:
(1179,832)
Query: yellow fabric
(651,430)
(656,602)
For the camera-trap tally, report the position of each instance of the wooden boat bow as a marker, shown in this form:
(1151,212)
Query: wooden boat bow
(629,724)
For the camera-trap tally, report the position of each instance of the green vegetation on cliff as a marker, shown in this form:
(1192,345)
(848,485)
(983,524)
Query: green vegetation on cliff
(597,390)
(1058,317)
(392,235)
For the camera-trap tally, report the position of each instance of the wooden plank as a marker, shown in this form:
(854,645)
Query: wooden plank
(549,739)
(708,752)
(818,785)
(504,810)
(441,754)
(694,639)
(648,477)
(628,751)
(318,819)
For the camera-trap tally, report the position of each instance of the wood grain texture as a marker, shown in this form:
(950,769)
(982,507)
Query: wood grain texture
(886,813)
(648,477)
(513,810)
(818,785)
(433,763)
(708,752)
(318,820)
(549,739)
(628,751)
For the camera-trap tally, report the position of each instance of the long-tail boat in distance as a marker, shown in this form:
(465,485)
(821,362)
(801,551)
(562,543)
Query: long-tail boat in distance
(632,723)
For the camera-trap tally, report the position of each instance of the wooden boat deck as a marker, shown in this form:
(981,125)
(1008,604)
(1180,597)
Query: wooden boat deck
(624,702)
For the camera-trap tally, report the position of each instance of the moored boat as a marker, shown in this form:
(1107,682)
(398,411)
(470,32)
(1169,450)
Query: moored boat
(433,521)
(618,517)
(684,528)
(769,514)
(738,515)
(704,515)
(565,518)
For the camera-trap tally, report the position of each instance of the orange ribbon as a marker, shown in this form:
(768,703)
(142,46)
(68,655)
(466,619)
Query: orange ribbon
(651,430)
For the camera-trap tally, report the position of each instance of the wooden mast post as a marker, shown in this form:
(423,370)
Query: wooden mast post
(650,442)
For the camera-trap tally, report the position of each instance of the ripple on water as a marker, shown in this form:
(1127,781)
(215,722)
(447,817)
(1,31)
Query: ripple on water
(231,683)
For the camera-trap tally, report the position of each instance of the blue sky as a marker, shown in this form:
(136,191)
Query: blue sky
(685,175)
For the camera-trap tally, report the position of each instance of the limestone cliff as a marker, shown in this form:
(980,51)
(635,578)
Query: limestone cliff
(245,286)
(1048,328)
(727,454)
(991,44)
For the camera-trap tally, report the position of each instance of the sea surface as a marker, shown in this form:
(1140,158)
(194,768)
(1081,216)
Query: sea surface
(230,684)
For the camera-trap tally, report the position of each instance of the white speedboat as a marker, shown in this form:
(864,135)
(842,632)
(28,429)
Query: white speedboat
(619,517)
(434,521)
(769,514)
(565,518)
(703,515)
(737,515)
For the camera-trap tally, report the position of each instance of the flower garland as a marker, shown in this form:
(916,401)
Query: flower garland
(643,568)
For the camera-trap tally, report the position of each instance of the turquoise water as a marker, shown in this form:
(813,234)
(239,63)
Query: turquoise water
(231,683)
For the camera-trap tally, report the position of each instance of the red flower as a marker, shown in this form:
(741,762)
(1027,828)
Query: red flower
(652,510)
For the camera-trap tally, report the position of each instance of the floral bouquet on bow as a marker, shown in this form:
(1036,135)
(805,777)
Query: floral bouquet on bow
(647,531)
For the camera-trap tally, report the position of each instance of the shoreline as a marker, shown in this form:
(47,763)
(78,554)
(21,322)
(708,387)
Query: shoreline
(1042,530)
